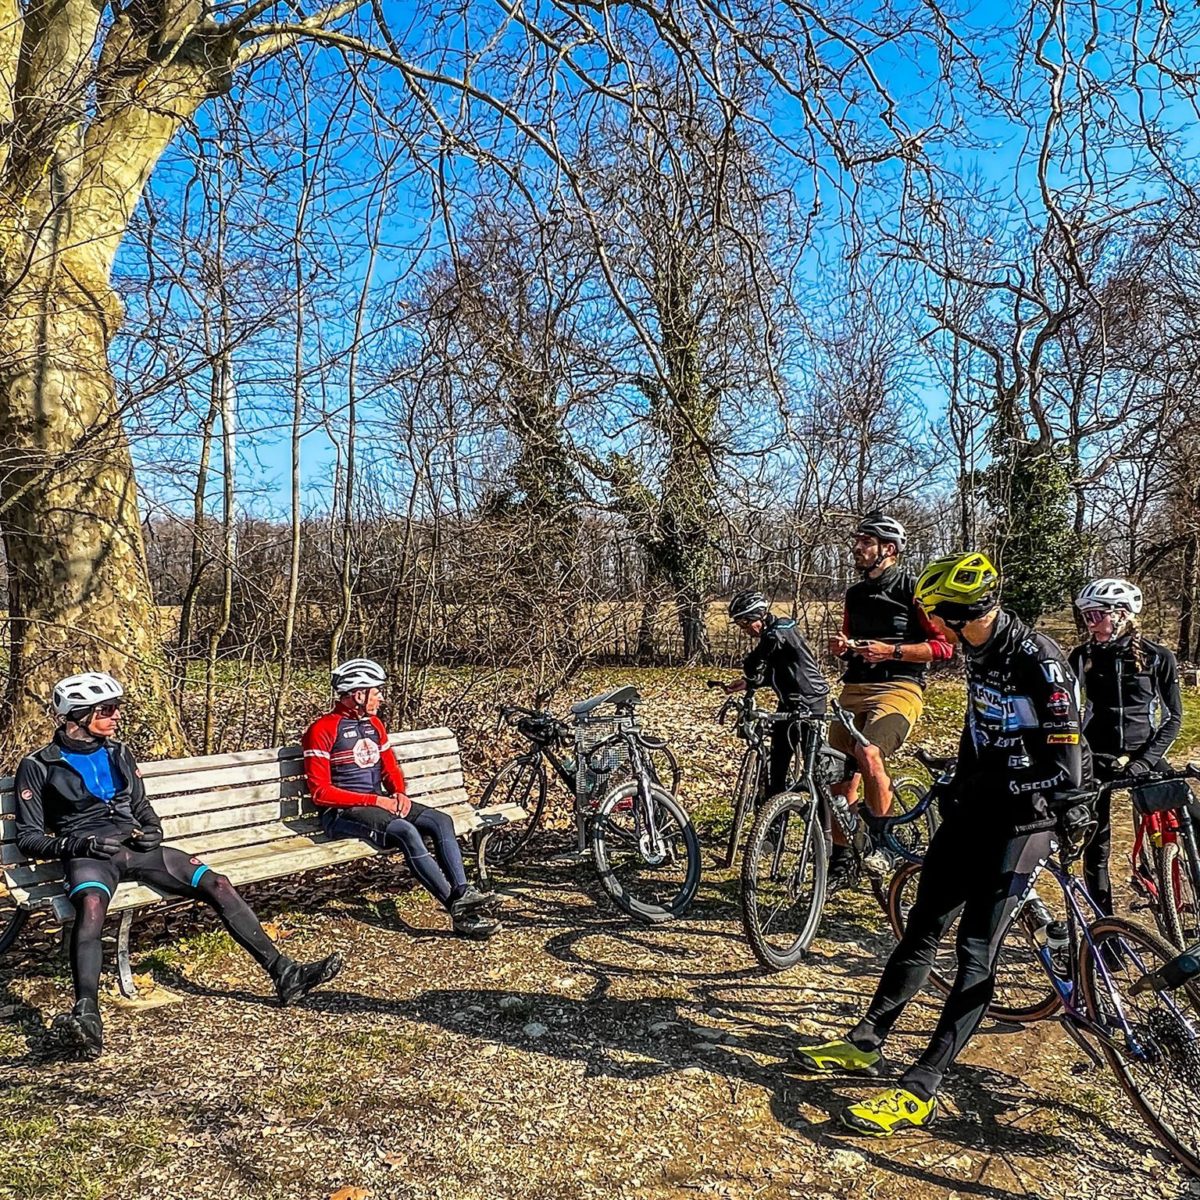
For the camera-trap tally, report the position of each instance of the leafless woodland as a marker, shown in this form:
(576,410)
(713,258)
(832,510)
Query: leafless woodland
(512,334)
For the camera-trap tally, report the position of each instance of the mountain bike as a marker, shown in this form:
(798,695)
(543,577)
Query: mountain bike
(786,862)
(641,839)
(524,779)
(1166,836)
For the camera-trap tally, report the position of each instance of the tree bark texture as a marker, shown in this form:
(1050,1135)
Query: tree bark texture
(78,140)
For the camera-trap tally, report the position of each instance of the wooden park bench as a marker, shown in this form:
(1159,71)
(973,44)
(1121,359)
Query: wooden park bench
(249,816)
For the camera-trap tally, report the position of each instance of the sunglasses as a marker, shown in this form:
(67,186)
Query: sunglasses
(106,710)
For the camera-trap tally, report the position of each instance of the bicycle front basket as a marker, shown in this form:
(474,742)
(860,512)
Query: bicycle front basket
(1162,795)
(591,785)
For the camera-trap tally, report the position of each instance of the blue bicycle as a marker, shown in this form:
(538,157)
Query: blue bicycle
(1094,971)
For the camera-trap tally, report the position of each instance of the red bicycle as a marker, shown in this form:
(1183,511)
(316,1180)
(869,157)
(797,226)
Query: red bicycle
(1166,858)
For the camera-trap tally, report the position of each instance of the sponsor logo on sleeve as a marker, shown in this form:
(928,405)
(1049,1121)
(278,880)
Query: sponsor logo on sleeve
(1059,703)
(1063,739)
(26,794)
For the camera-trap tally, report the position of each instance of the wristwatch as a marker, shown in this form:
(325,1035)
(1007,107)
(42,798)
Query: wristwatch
(897,652)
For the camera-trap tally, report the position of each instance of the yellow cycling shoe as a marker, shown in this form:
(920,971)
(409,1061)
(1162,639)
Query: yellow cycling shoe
(885,1113)
(837,1056)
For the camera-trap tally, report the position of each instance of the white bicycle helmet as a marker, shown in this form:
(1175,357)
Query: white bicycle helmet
(1110,594)
(884,528)
(85,691)
(357,673)
(748,605)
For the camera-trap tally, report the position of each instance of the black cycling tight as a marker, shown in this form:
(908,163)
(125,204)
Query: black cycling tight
(984,876)
(92,881)
(443,876)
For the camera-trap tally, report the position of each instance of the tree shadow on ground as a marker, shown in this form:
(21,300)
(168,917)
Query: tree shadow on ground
(647,1038)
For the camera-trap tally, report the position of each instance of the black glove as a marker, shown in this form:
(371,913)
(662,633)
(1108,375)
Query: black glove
(149,837)
(1074,824)
(98,846)
(1137,767)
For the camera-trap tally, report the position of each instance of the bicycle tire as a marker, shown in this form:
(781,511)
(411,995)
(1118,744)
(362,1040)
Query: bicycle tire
(912,835)
(521,780)
(766,888)
(1178,902)
(610,829)
(1169,1027)
(1009,978)
(744,792)
(672,763)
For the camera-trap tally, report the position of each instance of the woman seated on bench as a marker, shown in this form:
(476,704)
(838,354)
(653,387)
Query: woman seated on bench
(349,767)
(81,799)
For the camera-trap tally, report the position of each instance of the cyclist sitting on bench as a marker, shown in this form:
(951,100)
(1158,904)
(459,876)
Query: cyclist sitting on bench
(81,799)
(357,783)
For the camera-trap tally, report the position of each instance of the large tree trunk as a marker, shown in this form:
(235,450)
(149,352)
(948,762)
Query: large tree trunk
(77,160)
(79,593)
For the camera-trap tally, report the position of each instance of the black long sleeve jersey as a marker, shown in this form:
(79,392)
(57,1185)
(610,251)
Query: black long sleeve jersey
(55,808)
(1132,708)
(1020,747)
(783,662)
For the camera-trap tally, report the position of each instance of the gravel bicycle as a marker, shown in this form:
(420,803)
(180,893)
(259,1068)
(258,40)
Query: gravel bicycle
(1166,856)
(1108,982)
(786,862)
(754,726)
(641,839)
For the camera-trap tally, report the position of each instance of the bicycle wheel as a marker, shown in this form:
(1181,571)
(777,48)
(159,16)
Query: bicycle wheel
(1023,992)
(522,780)
(1155,1052)
(1178,902)
(664,768)
(744,793)
(912,828)
(653,878)
(784,871)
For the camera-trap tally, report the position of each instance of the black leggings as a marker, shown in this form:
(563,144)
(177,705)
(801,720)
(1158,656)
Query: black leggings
(984,876)
(92,881)
(784,740)
(444,877)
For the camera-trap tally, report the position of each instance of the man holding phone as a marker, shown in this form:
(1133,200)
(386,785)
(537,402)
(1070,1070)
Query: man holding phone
(887,644)
(81,799)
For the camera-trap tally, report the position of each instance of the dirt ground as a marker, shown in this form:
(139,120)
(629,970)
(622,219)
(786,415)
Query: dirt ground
(576,1055)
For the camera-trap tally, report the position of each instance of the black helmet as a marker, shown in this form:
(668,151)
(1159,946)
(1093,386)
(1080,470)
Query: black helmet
(885,528)
(747,606)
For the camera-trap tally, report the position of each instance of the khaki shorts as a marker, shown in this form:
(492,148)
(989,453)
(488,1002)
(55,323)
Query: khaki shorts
(884,712)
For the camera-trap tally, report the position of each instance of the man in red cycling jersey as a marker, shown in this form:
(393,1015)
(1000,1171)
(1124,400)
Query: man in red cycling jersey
(357,783)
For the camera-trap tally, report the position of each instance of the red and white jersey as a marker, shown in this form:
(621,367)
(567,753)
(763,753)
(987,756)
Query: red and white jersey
(347,760)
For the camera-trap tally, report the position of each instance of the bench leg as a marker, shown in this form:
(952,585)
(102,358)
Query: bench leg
(124,971)
(481,845)
(13,929)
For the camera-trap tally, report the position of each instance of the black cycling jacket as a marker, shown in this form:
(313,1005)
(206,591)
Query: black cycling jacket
(1124,700)
(783,662)
(55,809)
(1020,748)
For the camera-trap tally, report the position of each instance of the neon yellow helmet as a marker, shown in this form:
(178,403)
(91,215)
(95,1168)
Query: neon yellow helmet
(963,578)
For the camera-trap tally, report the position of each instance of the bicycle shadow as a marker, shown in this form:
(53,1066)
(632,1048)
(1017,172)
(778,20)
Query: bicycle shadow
(646,1038)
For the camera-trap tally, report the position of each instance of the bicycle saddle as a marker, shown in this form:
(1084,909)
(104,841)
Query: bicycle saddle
(621,695)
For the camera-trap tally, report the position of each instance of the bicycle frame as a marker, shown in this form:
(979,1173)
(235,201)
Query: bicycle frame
(1073,1017)
(1162,828)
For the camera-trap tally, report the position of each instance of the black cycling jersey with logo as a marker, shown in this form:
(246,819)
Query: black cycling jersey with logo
(1124,699)
(883,610)
(783,662)
(1020,746)
(51,795)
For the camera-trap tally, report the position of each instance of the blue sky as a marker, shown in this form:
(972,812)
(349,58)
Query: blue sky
(992,149)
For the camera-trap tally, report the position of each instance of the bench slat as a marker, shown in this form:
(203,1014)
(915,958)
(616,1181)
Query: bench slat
(254,864)
(218,777)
